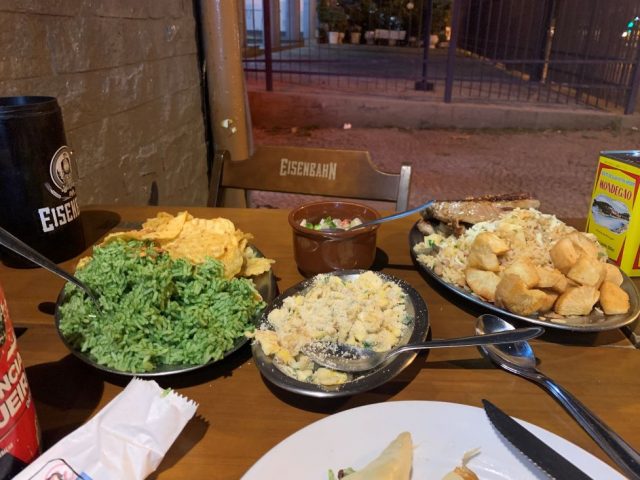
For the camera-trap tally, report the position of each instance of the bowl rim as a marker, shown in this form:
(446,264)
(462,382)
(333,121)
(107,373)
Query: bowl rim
(329,234)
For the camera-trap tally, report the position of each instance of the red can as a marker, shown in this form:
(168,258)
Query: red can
(19,431)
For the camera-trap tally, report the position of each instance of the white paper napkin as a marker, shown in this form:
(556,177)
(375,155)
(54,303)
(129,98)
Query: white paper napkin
(127,439)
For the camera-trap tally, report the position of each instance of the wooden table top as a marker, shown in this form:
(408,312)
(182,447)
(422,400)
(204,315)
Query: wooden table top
(241,416)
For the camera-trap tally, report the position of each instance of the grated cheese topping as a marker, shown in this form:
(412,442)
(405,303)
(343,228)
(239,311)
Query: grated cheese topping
(368,311)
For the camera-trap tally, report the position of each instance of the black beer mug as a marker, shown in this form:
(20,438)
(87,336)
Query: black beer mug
(38,201)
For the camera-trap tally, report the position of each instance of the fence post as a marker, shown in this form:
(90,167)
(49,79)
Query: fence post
(268,64)
(546,37)
(423,84)
(451,54)
(635,86)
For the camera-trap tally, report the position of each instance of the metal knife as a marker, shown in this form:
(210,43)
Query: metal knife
(538,452)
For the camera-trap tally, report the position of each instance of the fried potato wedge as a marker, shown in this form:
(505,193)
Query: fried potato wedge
(584,244)
(552,278)
(525,269)
(482,283)
(564,254)
(483,261)
(490,242)
(613,274)
(484,252)
(577,301)
(613,299)
(550,300)
(512,293)
(562,285)
(587,270)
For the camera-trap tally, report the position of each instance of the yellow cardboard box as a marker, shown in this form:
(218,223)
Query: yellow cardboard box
(614,216)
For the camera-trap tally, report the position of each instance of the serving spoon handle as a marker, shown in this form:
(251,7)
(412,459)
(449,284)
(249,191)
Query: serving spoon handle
(517,335)
(18,246)
(625,456)
(395,216)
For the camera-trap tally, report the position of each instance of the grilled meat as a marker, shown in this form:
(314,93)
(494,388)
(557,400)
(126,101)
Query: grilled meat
(456,213)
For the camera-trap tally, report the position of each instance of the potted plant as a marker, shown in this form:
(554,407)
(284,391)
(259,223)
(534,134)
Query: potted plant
(334,17)
(356,18)
(440,20)
(338,23)
(321,34)
(369,9)
(355,33)
(322,8)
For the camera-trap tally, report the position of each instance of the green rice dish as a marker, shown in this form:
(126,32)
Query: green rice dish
(157,311)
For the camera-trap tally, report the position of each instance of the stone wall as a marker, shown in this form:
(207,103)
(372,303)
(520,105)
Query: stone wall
(126,76)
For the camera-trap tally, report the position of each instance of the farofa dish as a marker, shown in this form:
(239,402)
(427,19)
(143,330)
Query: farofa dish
(166,300)
(529,263)
(367,311)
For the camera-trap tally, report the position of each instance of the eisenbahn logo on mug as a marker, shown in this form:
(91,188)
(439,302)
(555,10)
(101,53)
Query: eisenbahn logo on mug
(61,173)
(62,176)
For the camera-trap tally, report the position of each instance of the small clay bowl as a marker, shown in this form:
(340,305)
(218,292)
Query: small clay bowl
(318,251)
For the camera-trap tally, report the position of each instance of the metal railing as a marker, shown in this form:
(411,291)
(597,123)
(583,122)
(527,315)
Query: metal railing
(565,52)
(550,51)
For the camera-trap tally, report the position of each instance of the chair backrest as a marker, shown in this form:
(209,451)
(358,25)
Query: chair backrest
(312,171)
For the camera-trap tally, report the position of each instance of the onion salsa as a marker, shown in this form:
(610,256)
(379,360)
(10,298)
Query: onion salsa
(329,223)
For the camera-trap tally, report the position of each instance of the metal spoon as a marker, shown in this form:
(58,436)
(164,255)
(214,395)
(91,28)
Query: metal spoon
(349,358)
(18,246)
(395,216)
(376,221)
(519,358)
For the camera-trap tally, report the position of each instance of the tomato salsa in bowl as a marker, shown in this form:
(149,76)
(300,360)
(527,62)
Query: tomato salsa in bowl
(321,250)
(330,223)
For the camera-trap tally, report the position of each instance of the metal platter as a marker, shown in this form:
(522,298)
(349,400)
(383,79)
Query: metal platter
(595,322)
(265,284)
(419,327)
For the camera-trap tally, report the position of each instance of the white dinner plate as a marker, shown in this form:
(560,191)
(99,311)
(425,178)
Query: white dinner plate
(442,433)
